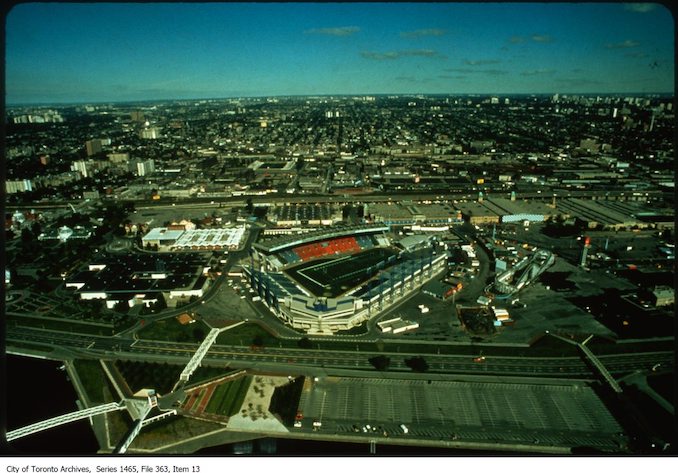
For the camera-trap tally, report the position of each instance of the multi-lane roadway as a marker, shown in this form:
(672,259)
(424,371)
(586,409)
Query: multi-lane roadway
(301,361)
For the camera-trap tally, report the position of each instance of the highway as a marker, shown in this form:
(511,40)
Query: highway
(300,361)
(203,202)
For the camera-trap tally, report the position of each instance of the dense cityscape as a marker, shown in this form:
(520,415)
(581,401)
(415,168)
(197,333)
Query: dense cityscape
(329,229)
(149,238)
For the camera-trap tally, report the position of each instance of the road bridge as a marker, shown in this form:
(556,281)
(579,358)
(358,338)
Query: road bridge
(64,419)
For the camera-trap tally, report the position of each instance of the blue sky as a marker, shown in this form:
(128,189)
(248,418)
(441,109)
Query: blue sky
(119,52)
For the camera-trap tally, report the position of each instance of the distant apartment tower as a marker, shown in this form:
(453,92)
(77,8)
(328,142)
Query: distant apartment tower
(22,185)
(118,158)
(81,167)
(146,167)
(137,115)
(93,147)
(149,133)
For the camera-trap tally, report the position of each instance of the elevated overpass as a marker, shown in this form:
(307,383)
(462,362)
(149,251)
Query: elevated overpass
(64,419)
(527,270)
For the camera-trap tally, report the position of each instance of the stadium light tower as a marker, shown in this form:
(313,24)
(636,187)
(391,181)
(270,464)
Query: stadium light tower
(587,245)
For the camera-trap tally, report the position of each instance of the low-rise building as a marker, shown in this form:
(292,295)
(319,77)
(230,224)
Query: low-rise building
(664,296)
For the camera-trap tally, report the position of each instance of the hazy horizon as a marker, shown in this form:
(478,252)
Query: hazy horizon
(123,52)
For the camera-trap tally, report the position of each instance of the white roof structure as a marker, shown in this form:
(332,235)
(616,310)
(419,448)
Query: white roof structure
(210,238)
(162,233)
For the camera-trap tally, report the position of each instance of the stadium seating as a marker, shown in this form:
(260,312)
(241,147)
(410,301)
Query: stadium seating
(365,242)
(336,246)
(290,256)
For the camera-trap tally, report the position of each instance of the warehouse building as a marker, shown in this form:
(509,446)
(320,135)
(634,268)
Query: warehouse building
(142,279)
(478,214)
(600,213)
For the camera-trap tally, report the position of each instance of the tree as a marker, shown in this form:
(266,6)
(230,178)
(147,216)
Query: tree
(121,307)
(160,304)
(260,212)
(304,342)
(346,211)
(198,334)
(36,228)
(417,363)
(248,205)
(380,362)
(26,236)
(258,341)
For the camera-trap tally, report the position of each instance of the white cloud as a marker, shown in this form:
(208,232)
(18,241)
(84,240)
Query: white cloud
(629,43)
(339,31)
(537,72)
(389,55)
(542,38)
(481,62)
(640,7)
(424,32)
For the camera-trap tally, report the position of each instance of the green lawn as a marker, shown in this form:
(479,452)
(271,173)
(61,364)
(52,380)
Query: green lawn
(158,376)
(228,397)
(92,377)
(251,334)
(171,330)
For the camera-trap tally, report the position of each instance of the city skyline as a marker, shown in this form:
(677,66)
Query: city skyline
(116,52)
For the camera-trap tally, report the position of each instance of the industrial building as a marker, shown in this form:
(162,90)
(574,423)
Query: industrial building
(142,279)
(65,233)
(394,213)
(607,214)
(168,239)
(664,296)
(516,211)
(478,214)
(304,214)
(410,213)
(438,289)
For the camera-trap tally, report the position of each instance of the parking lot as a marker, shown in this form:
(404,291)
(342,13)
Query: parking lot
(550,414)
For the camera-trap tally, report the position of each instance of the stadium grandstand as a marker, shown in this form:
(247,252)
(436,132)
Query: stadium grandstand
(332,280)
(272,245)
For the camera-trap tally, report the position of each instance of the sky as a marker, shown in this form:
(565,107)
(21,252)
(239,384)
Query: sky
(115,52)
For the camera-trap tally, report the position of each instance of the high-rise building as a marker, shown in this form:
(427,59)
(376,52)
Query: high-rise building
(149,133)
(137,116)
(81,167)
(23,185)
(118,158)
(146,167)
(93,147)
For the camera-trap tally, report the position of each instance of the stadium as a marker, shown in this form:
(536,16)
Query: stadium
(327,281)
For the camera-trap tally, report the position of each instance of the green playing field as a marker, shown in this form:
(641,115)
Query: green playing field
(330,277)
